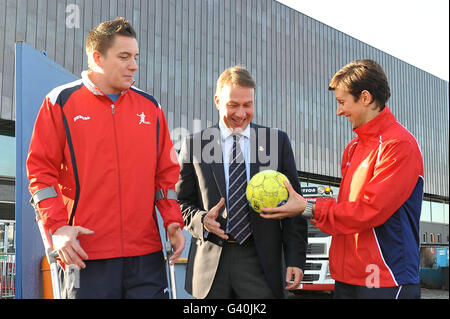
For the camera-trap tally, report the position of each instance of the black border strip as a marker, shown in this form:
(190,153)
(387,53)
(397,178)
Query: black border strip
(75,169)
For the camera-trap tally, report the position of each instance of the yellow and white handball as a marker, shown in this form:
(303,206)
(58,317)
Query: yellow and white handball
(266,189)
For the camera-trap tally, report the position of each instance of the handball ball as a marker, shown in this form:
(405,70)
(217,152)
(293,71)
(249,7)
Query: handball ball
(266,189)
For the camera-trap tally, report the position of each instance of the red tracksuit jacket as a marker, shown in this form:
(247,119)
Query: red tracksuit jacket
(101,157)
(375,222)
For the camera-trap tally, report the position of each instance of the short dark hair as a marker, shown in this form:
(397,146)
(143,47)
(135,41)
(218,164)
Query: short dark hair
(101,38)
(235,75)
(361,75)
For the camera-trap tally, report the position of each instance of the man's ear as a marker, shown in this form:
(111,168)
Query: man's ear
(95,61)
(97,58)
(216,100)
(366,97)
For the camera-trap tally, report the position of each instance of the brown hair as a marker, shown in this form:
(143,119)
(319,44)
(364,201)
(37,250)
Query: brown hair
(102,36)
(361,75)
(236,75)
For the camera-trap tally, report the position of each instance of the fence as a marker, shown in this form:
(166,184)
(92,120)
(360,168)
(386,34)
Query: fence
(7,259)
(7,275)
(7,236)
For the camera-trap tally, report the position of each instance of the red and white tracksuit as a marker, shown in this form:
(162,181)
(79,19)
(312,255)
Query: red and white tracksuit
(375,222)
(103,160)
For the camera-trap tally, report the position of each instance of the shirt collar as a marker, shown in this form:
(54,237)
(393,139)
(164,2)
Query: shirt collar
(225,132)
(377,125)
(92,87)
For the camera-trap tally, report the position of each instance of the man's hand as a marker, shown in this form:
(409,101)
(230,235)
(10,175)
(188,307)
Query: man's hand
(295,205)
(298,276)
(210,223)
(69,250)
(177,240)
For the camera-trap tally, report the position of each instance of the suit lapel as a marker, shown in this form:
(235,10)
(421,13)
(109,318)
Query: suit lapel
(254,149)
(217,169)
(219,178)
(255,165)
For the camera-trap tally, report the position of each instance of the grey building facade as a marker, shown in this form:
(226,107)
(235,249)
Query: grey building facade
(186,44)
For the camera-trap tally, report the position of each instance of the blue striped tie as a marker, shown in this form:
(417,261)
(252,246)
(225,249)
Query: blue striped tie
(239,221)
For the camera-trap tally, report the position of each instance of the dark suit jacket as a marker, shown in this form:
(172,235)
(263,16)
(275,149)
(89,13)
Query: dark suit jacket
(202,184)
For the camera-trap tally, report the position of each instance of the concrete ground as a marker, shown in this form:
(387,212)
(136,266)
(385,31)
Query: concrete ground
(434,293)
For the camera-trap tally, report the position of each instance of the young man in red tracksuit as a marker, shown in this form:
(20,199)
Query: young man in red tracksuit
(375,223)
(100,157)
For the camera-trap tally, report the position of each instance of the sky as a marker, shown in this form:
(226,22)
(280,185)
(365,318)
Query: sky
(415,31)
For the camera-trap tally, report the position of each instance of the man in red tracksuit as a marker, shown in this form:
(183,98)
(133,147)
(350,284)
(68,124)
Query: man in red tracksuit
(375,223)
(100,157)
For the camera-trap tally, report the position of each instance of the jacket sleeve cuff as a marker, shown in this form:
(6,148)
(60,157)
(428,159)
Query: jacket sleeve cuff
(318,208)
(53,214)
(55,226)
(170,212)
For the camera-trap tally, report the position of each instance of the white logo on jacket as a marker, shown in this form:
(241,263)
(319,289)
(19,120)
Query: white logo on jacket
(81,117)
(142,117)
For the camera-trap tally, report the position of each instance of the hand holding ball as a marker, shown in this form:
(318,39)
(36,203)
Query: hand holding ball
(266,189)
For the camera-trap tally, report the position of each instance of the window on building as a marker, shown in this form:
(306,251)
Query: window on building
(425,216)
(7,156)
(7,174)
(437,212)
(446,213)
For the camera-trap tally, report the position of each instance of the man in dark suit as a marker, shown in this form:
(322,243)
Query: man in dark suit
(235,253)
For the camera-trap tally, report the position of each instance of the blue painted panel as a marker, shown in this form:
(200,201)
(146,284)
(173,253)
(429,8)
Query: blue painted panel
(442,256)
(36,75)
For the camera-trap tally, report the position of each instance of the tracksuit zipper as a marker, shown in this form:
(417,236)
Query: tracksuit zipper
(118,176)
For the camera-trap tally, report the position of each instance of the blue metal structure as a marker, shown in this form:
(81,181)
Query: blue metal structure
(36,75)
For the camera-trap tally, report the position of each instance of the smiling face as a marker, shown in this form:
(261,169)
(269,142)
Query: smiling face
(116,67)
(236,105)
(357,112)
(361,89)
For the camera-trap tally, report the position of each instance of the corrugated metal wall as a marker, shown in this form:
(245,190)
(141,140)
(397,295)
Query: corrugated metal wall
(185,44)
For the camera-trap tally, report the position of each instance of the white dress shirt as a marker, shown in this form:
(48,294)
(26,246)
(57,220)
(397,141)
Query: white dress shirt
(227,147)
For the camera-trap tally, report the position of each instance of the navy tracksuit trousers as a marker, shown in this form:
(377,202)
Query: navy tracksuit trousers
(346,291)
(117,278)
